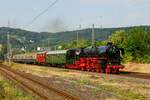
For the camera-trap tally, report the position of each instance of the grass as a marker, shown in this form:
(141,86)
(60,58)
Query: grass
(83,82)
(111,90)
(9,91)
(125,94)
(136,67)
(63,70)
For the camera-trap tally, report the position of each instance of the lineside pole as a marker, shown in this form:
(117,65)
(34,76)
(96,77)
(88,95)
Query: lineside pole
(78,35)
(93,36)
(9,52)
(8,47)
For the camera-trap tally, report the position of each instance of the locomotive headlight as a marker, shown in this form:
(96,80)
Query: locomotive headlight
(78,52)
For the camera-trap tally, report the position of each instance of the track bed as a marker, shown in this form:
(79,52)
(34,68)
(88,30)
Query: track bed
(89,85)
(36,85)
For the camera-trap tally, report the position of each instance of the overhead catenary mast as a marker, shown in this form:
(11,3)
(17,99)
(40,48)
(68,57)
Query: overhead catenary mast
(93,36)
(78,35)
(9,52)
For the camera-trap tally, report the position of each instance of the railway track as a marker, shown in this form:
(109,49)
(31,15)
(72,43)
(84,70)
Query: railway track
(35,85)
(135,74)
(122,73)
(63,95)
(127,74)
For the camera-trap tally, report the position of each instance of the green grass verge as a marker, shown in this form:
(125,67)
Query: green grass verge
(108,89)
(8,91)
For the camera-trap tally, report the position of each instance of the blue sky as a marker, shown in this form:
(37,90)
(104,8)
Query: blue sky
(68,14)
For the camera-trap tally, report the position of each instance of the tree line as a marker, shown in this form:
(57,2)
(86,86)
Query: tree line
(135,41)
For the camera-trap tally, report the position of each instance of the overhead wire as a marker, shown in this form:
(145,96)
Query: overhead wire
(40,14)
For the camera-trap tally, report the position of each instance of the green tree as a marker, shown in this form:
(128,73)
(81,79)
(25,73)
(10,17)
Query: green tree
(118,38)
(101,43)
(73,44)
(3,52)
(138,44)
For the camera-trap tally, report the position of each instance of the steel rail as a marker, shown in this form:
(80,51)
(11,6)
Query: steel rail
(54,89)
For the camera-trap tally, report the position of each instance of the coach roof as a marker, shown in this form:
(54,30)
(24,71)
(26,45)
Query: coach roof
(57,52)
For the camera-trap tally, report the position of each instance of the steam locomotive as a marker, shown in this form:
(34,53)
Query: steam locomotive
(104,59)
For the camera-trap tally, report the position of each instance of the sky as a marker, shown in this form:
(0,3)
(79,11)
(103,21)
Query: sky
(69,14)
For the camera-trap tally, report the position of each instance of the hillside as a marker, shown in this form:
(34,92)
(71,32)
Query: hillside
(31,40)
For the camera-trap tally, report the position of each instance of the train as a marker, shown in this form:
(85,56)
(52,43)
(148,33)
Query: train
(102,59)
